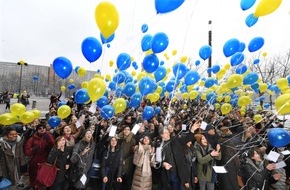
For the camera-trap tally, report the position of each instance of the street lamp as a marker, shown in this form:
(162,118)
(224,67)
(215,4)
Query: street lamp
(21,63)
(209,43)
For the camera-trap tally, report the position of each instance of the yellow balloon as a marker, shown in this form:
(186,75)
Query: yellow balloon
(71,80)
(183,59)
(226,108)
(203,96)
(62,88)
(148,52)
(165,55)
(259,108)
(258,118)
(185,95)
(119,105)
(107,18)
(36,113)
(190,88)
(266,7)
(282,83)
(82,71)
(193,94)
(201,83)
(227,98)
(219,98)
(96,89)
(85,84)
(155,97)
(159,90)
(63,111)
(140,76)
(133,73)
(244,101)
(111,63)
(217,105)
(263,87)
(168,70)
(8,119)
(270,92)
(27,117)
(174,52)
(282,104)
(234,81)
(17,109)
(227,66)
(264,54)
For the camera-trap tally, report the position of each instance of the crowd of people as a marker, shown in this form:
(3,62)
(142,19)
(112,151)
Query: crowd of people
(182,147)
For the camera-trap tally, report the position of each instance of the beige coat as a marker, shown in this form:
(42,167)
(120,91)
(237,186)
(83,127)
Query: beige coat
(143,159)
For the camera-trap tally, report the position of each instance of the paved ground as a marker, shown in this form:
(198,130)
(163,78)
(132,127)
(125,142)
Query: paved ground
(41,104)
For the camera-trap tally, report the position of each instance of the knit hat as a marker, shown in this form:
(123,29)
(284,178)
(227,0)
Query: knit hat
(209,127)
(39,126)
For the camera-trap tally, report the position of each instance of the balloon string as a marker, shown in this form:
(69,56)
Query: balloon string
(187,27)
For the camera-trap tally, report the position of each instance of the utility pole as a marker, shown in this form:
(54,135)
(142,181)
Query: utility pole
(209,43)
(21,63)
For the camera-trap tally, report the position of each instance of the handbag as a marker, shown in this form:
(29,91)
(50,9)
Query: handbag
(95,170)
(46,174)
(5,184)
(76,170)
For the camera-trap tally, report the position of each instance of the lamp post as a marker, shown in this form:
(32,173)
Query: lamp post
(21,63)
(209,43)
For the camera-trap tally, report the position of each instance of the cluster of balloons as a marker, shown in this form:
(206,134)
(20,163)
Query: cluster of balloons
(18,113)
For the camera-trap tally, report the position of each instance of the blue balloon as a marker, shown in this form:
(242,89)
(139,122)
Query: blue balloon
(209,82)
(209,70)
(146,86)
(119,78)
(146,42)
(266,105)
(211,97)
(251,20)
(241,69)
(150,63)
(54,121)
(171,85)
(71,86)
(215,69)
(123,61)
(157,110)
(107,40)
(112,85)
(107,111)
(246,4)
(35,77)
(119,92)
(288,79)
(82,96)
(77,69)
(160,73)
(237,58)
(256,61)
(129,89)
(250,78)
(91,49)
(255,44)
(278,137)
(231,47)
(191,77)
(205,52)
(101,102)
(61,103)
(255,86)
(262,98)
(159,42)
(164,6)
(241,47)
(62,67)
(161,63)
(148,113)
(144,28)
(197,62)
(179,70)
(135,100)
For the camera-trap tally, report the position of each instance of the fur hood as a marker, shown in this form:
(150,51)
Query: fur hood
(126,138)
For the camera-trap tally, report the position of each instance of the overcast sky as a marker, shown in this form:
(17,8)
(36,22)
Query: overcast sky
(38,31)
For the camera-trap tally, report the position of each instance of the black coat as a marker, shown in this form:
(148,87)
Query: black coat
(62,159)
(175,146)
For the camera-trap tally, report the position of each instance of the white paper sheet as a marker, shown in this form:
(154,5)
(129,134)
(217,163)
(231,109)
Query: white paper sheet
(78,124)
(113,131)
(286,152)
(281,164)
(83,179)
(220,169)
(158,154)
(93,107)
(203,125)
(135,129)
(273,156)
(183,127)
